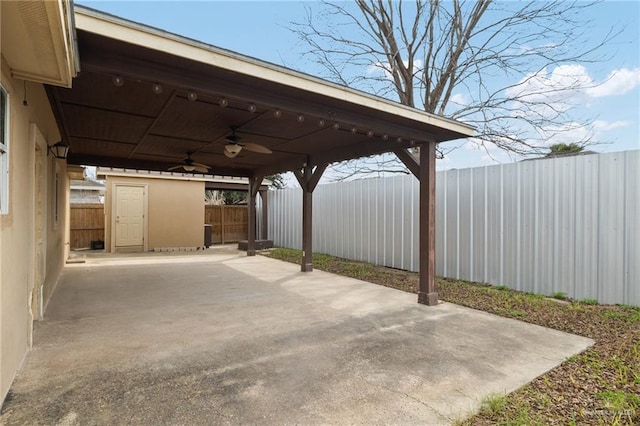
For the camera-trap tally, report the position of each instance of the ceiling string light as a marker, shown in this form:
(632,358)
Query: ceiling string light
(118,81)
(157,88)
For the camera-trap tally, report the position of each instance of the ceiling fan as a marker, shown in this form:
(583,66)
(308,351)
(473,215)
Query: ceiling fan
(234,146)
(188,165)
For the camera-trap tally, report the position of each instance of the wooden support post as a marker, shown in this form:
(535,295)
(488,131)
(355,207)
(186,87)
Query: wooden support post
(427,294)
(308,179)
(265,217)
(307,229)
(222,223)
(254,185)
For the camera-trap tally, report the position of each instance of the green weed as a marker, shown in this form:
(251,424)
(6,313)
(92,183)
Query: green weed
(559,295)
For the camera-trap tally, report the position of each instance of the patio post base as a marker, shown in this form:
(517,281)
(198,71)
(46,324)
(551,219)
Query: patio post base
(429,299)
(306,267)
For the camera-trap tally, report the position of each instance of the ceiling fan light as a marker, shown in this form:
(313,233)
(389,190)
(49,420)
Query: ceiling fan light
(188,168)
(233,148)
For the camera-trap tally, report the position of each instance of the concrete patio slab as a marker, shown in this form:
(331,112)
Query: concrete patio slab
(221,338)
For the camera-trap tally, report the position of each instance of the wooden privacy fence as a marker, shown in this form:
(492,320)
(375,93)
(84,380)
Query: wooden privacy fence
(87,224)
(229,223)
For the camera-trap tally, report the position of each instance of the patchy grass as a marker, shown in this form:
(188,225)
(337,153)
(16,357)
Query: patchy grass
(598,387)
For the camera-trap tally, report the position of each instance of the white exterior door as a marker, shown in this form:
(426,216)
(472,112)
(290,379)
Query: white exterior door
(129,220)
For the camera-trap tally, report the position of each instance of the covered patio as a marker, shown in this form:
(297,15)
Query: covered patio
(147,99)
(222,338)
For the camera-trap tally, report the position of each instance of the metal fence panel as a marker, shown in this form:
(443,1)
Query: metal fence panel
(565,225)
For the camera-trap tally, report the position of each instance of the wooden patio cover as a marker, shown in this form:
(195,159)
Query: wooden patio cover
(181,96)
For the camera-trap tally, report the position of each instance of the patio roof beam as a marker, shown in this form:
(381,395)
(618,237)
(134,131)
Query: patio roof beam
(409,160)
(134,164)
(214,83)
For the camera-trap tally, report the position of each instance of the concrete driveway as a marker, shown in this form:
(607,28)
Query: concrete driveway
(221,338)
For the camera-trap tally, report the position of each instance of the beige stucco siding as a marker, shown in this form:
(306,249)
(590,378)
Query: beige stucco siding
(19,296)
(175,211)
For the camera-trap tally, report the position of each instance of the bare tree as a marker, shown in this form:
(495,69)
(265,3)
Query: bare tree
(447,58)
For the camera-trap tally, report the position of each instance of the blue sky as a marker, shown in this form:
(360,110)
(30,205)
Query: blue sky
(259,29)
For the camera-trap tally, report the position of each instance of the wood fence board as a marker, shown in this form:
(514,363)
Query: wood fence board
(228,223)
(86,224)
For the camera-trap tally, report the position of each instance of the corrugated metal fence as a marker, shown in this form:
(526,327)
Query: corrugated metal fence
(567,225)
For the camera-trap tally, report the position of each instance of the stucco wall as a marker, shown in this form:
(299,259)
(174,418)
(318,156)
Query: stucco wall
(175,214)
(19,296)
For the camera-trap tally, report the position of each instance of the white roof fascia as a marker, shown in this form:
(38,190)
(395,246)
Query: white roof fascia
(59,15)
(120,29)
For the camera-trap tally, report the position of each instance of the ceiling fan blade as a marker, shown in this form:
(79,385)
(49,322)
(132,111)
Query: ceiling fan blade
(204,166)
(175,167)
(257,148)
(201,169)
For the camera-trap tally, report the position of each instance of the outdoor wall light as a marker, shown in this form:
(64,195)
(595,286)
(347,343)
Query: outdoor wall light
(59,150)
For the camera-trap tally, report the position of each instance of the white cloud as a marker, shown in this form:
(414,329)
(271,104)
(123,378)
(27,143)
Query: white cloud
(601,126)
(566,86)
(618,82)
(458,99)
(385,68)
(565,133)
